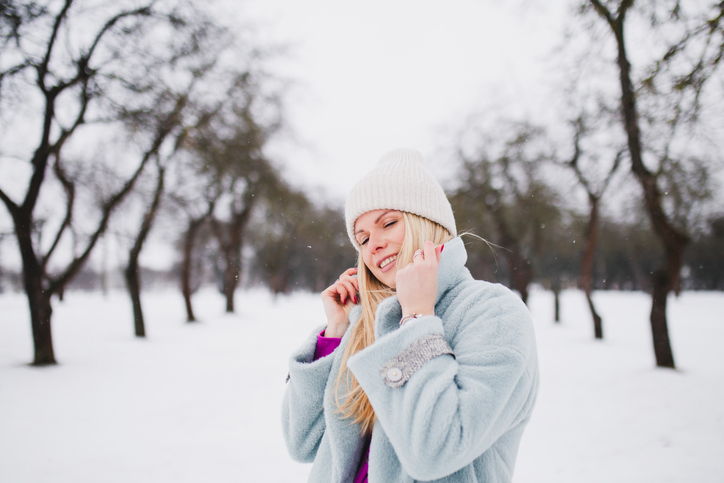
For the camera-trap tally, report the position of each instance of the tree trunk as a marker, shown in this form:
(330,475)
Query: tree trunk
(187,265)
(231,243)
(38,299)
(231,275)
(587,264)
(521,273)
(40,314)
(134,290)
(556,286)
(104,268)
(659,327)
(597,323)
(132,270)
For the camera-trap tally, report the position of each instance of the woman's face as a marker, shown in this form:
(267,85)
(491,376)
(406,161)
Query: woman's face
(380,234)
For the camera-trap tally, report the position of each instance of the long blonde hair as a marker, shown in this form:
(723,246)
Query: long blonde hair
(356,405)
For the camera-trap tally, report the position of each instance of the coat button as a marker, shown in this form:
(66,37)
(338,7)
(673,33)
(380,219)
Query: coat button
(394,374)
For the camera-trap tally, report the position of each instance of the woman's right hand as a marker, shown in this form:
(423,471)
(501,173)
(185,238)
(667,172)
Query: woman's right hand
(338,299)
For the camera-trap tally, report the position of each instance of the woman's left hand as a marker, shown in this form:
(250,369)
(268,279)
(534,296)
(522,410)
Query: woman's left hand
(416,284)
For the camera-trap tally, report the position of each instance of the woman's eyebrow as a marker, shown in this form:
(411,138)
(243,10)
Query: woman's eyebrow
(383,214)
(377,220)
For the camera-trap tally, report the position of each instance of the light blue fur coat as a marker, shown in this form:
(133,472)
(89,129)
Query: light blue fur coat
(457,419)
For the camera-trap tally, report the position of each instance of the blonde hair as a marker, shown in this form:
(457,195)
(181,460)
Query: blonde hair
(356,405)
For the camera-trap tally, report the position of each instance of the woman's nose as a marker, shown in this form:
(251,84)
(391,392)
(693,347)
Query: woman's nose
(376,242)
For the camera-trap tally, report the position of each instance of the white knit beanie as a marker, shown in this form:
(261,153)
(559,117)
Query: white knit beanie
(400,182)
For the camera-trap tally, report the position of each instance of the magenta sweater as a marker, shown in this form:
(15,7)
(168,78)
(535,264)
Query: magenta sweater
(325,346)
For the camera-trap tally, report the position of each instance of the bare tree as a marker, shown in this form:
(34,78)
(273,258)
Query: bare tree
(194,195)
(507,188)
(231,146)
(594,194)
(190,236)
(672,236)
(78,80)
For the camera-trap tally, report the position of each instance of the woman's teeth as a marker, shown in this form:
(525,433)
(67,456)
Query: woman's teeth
(387,261)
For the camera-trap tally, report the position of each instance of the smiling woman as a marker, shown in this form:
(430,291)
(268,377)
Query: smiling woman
(421,372)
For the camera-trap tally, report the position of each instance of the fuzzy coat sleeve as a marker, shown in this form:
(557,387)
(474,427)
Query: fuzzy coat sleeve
(302,409)
(455,407)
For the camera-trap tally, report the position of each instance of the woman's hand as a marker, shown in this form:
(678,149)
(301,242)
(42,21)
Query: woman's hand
(338,299)
(417,282)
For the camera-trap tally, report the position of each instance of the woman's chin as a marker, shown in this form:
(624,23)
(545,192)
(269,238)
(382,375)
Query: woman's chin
(388,279)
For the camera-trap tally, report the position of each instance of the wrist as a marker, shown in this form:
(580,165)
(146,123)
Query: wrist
(336,331)
(418,310)
(410,315)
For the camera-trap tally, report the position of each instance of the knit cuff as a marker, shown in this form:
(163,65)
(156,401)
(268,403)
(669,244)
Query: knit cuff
(398,370)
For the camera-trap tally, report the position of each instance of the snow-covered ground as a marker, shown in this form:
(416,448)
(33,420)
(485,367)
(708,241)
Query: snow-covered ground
(201,402)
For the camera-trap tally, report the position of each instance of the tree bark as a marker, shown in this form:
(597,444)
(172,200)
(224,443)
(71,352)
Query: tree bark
(587,264)
(134,290)
(38,299)
(232,268)
(187,264)
(659,327)
(556,286)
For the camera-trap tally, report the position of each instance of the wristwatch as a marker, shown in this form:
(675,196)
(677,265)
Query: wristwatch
(408,317)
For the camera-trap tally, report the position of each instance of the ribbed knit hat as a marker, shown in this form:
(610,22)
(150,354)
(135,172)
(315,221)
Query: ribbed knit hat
(400,182)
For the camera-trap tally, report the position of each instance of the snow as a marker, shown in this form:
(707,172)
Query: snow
(201,402)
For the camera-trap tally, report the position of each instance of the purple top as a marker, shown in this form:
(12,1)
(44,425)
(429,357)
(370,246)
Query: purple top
(325,346)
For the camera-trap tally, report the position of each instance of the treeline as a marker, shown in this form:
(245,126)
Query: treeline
(305,250)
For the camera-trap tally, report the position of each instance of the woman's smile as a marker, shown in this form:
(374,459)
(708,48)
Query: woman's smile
(388,263)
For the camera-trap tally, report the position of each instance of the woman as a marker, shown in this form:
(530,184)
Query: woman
(427,374)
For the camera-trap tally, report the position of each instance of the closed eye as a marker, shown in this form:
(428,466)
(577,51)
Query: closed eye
(390,223)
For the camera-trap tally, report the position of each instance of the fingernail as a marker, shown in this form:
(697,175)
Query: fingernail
(355,299)
(442,248)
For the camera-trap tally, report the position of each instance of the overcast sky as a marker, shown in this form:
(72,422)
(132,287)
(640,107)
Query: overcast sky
(372,76)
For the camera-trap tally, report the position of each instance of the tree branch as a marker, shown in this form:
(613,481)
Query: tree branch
(623,8)
(614,168)
(150,213)
(42,69)
(80,119)
(143,11)
(57,283)
(603,12)
(573,163)
(164,128)
(14,70)
(69,188)
(10,204)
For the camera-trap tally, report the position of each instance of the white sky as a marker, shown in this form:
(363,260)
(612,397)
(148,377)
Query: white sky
(378,75)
